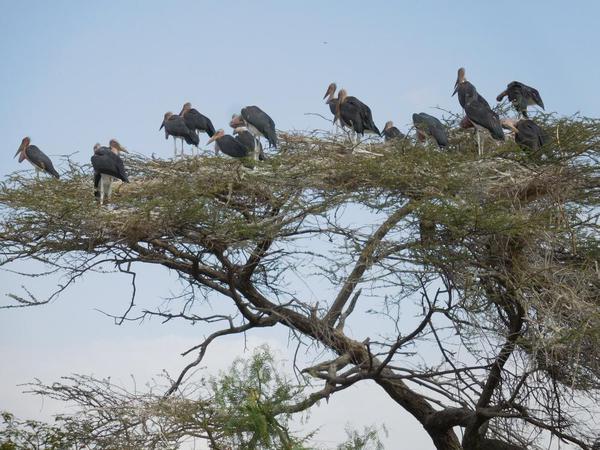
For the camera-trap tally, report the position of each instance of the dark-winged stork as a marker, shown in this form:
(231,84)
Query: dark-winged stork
(258,122)
(390,132)
(196,121)
(36,157)
(477,109)
(351,110)
(332,101)
(521,96)
(108,166)
(175,126)
(252,144)
(229,145)
(527,133)
(429,126)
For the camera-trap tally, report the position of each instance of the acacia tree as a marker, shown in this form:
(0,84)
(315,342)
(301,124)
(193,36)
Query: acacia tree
(480,275)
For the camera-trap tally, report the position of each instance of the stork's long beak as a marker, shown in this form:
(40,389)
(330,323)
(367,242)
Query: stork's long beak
(123,149)
(161,125)
(212,139)
(18,151)
(455,89)
(326,93)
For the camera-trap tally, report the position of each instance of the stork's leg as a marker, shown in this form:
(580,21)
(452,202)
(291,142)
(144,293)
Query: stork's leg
(182,153)
(109,183)
(479,148)
(102,190)
(174,147)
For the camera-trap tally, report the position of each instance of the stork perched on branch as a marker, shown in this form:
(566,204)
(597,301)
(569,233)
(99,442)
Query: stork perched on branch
(477,109)
(351,110)
(196,121)
(521,96)
(229,145)
(258,122)
(332,102)
(108,166)
(390,132)
(36,157)
(429,126)
(527,133)
(175,126)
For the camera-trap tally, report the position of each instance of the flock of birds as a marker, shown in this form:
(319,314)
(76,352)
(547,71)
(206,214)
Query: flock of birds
(252,124)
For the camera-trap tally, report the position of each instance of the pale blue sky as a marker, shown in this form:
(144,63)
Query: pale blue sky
(77,72)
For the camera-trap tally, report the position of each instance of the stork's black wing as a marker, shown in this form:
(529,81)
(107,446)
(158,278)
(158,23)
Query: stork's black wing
(176,126)
(365,114)
(432,126)
(41,160)
(105,162)
(479,112)
(392,133)
(194,120)
(232,147)
(351,116)
(262,122)
(247,139)
(530,135)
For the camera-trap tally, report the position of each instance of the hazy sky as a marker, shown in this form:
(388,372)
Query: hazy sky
(75,73)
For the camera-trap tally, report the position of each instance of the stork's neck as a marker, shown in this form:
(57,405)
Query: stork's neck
(330,97)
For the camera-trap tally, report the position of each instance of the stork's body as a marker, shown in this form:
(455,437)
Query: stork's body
(252,144)
(354,112)
(258,122)
(108,167)
(175,126)
(521,96)
(196,121)
(429,126)
(477,109)
(390,132)
(36,157)
(229,145)
(527,133)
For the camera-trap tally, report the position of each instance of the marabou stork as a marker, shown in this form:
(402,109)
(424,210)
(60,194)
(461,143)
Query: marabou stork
(429,126)
(390,132)
(196,121)
(527,133)
(521,96)
(228,144)
(258,122)
(332,102)
(108,166)
(477,109)
(36,157)
(248,140)
(354,112)
(175,126)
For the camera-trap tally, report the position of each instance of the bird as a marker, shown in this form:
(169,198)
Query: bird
(429,126)
(351,110)
(108,166)
(258,122)
(527,133)
(175,126)
(252,144)
(228,144)
(332,102)
(36,157)
(477,109)
(521,96)
(196,121)
(390,132)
